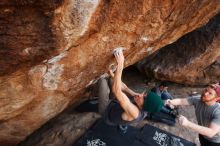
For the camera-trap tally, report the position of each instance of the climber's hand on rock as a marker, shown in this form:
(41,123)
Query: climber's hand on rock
(119,57)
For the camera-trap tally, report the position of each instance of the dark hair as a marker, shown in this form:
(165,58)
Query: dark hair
(164,83)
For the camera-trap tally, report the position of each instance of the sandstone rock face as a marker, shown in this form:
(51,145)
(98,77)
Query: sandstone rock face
(50,50)
(193,59)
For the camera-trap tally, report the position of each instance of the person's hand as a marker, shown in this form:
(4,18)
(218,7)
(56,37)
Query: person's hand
(111,70)
(215,85)
(183,121)
(168,102)
(119,57)
(218,91)
(217,88)
(144,93)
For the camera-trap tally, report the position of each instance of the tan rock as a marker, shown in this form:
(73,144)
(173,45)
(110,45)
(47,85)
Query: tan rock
(50,50)
(193,59)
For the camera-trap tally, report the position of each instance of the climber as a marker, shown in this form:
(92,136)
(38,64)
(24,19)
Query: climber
(207,112)
(122,110)
(165,114)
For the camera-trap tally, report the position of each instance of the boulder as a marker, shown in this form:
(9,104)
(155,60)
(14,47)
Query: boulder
(192,60)
(50,50)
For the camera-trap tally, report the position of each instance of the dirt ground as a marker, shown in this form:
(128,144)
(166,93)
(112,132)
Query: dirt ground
(67,127)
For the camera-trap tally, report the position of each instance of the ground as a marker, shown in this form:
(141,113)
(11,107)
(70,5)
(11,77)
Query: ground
(67,127)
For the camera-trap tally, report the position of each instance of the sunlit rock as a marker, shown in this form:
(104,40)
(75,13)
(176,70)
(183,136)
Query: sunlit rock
(50,50)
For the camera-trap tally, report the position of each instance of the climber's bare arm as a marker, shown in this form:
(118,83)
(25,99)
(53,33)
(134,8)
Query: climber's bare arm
(131,110)
(124,87)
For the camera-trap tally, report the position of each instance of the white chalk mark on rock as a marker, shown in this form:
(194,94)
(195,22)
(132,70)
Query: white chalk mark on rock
(149,49)
(144,39)
(52,77)
(57,58)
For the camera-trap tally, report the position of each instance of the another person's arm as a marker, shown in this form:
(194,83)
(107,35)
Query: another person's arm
(131,111)
(177,102)
(210,131)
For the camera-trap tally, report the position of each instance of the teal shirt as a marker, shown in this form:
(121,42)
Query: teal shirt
(152,102)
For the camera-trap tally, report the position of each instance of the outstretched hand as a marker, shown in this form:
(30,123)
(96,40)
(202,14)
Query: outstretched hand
(183,121)
(168,102)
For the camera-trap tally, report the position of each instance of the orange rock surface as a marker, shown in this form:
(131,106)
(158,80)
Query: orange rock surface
(50,50)
(192,60)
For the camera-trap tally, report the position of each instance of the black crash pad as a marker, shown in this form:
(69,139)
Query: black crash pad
(153,136)
(101,134)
